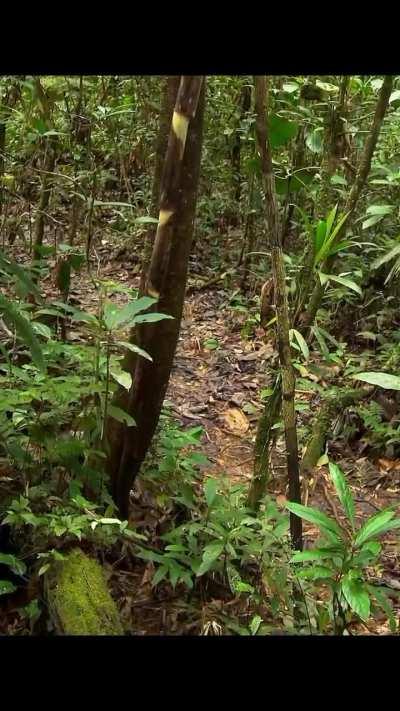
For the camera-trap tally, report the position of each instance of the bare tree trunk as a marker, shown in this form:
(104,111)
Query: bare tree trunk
(166,281)
(244,104)
(48,167)
(282,311)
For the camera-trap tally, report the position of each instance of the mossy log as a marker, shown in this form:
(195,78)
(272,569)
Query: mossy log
(78,598)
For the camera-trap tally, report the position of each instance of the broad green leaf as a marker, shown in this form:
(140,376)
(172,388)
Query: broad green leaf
(314,141)
(135,349)
(280,130)
(379,209)
(151,318)
(317,554)
(344,281)
(394,96)
(322,521)
(373,527)
(290,87)
(329,242)
(298,180)
(42,330)
(356,596)
(123,378)
(302,343)
(371,221)
(255,624)
(26,284)
(6,587)
(210,490)
(121,415)
(320,234)
(343,491)
(383,380)
(24,330)
(316,572)
(16,565)
(210,555)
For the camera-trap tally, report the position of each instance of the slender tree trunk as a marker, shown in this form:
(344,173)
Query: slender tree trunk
(166,281)
(272,411)
(48,167)
(282,311)
(9,102)
(244,104)
(169,94)
(352,201)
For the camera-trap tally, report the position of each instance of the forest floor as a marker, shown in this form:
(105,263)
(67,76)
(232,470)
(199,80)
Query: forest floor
(216,381)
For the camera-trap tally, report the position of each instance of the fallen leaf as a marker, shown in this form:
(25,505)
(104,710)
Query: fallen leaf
(236,420)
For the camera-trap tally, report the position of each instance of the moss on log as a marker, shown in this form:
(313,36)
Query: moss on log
(78,598)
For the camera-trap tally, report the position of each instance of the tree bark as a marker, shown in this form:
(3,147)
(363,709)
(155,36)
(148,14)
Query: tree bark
(169,94)
(166,281)
(282,311)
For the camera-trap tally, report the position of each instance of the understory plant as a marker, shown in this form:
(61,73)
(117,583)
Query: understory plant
(346,556)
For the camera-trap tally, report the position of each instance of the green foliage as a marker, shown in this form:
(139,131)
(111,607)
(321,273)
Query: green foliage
(347,555)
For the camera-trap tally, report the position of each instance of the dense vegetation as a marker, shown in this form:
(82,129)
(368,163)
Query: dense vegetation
(199,353)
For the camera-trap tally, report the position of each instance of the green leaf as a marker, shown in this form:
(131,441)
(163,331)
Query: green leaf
(210,555)
(317,554)
(344,281)
(321,341)
(290,87)
(302,343)
(295,182)
(373,527)
(6,587)
(27,286)
(394,252)
(327,525)
(320,234)
(152,318)
(357,596)
(383,380)
(314,141)
(210,490)
(373,220)
(135,349)
(394,96)
(16,565)
(42,330)
(316,572)
(280,131)
(379,209)
(146,220)
(343,491)
(331,219)
(384,602)
(255,624)
(123,378)
(24,331)
(121,416)
(329,241)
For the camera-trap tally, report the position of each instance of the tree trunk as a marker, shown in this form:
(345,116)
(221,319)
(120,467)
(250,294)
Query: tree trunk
(169,94)
(48,167)
(282,311)
(244,103)
(166,281)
